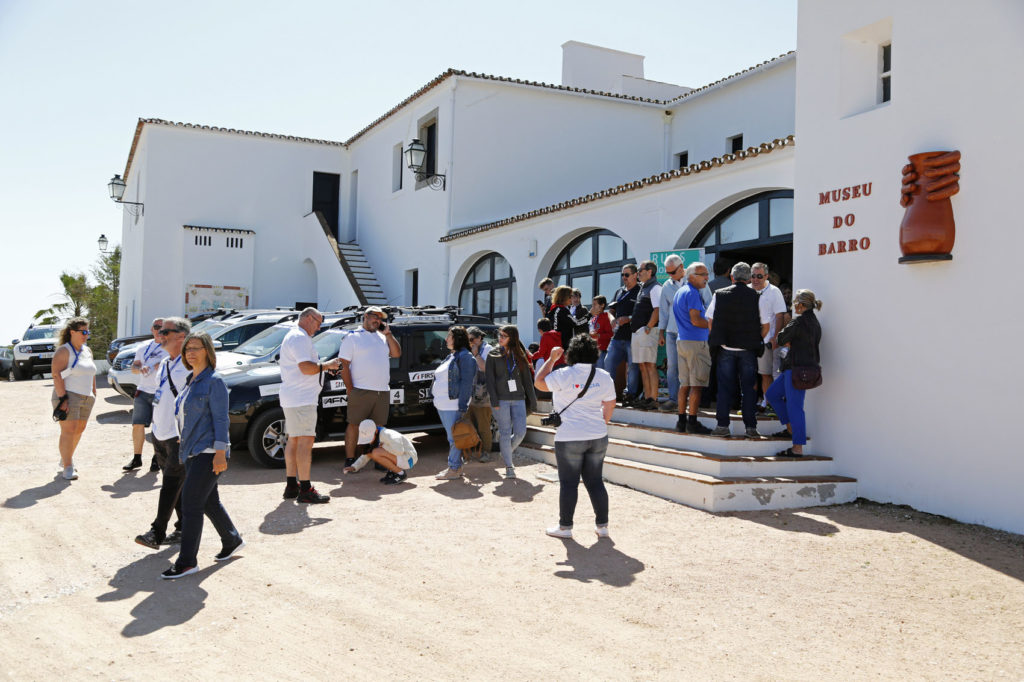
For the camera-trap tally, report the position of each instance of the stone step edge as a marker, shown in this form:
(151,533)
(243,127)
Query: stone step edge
(702,413)
(705,478)
(727,459)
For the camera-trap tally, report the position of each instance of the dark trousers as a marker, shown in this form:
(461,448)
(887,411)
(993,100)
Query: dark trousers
(581,459)
(170,488)
(733,365)
(199,496)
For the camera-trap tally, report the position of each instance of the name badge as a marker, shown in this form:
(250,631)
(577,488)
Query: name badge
(512,385)
(156,396)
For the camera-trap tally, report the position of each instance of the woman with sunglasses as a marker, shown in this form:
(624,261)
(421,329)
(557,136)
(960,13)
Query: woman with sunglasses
(510,387)
(201,411)
(74,389)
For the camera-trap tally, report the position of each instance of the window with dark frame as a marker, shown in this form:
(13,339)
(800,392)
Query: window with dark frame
(490,290)
(593,264)
(430,141)
(397,167)
(736,143)
(885,92)
(683,159)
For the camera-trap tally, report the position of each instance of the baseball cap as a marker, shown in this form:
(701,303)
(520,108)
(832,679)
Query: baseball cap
(367,431)
(375,310)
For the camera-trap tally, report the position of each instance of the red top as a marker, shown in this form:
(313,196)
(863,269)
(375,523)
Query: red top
(604,330)
(548,340)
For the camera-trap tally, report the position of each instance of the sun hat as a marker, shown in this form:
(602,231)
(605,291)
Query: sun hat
(367,431)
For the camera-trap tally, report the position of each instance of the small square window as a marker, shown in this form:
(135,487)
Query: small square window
(735,143)
(683,159)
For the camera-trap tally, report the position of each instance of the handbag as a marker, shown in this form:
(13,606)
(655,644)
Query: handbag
(466,438)
(806,377)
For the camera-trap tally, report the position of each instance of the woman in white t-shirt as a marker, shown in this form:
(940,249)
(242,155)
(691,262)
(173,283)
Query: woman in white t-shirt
(74,389)
(582,437)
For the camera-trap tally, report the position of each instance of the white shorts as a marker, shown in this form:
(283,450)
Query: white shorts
(644,346)
(769,362)
(300,421)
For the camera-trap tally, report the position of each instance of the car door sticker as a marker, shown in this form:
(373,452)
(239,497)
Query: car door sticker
(421,376)
(270,389)
(397,397)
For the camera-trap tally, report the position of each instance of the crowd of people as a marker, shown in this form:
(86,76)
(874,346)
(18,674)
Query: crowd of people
(743,330)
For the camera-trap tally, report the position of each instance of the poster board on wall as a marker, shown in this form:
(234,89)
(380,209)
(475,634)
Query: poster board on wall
(201,298)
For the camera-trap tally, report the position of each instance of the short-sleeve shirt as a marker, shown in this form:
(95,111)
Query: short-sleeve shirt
(688,298)
(710,315)
(168,372)
(770,303)
(584,419)
(150,355)
(369,361)
(666,320)
(298,389)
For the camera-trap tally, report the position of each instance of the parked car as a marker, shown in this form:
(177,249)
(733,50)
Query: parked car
(7,363)
(264,347)
(226,334)
(256,417)
(33,353)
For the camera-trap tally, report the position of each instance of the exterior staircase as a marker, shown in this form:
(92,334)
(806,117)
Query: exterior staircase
(357,268)
(646,453)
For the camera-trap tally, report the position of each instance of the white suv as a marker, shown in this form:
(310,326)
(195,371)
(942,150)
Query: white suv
(34,352)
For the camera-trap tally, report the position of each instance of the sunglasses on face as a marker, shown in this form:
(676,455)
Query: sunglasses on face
(165,332)
(194,349)
(83,332)
(757,276)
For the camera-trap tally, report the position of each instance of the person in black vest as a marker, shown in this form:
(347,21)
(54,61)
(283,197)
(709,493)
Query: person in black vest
(737,330)
(619,350)
(644,325)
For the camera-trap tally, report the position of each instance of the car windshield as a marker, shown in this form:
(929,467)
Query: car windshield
(40,333)
(265,342)
(205,326)
(328,343)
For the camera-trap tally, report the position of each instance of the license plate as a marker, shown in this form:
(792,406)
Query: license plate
(45,356)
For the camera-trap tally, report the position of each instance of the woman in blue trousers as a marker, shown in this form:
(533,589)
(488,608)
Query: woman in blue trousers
(802,336)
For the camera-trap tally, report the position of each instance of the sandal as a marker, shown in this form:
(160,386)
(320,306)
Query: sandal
(788,452)
(784,433)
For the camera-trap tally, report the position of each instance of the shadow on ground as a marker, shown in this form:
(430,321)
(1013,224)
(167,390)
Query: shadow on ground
(600,562)
(289,518)
(137,481)
(115,417)
(29,496)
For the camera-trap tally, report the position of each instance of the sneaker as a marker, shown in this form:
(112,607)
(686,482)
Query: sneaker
(784,433)
(153,466)
(387,477)
(290,492)
(174,572)
(485,457)
(681,425)
(752,432)
(349,461)
(396,478)
(668,406)
(449,474)
(769,412)
(510,472)
(697,428)
(627,400)
(228,552)
(721,432)
(311,496)
(149,539)
(602,531)
(136,463)
(559,532)
(173,539)
(70,473)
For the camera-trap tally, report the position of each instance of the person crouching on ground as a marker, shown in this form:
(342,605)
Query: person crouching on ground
(392,450)
(802,337)
(510,387)
(584,398)
(452,387)
(201,410)
(74,389)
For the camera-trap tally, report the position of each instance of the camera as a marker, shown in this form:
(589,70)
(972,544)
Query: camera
(553,419)
(60,413)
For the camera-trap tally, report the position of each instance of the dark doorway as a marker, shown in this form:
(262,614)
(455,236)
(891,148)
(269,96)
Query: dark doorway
(778,258)
(326,189)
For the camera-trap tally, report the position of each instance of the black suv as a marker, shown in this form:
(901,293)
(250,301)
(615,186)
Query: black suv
(257,420)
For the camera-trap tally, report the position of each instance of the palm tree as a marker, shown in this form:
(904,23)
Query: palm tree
(75,295)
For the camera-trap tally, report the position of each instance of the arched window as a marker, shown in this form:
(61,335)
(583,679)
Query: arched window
(490,290)
(592,263)
(763,219)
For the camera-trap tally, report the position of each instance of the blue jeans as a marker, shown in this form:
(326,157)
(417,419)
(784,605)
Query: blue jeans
(788,403)
(576,459)
(619,351)
(601,355)
(199,496)
(511,416)
(448,418)
(731,363)
(672,368)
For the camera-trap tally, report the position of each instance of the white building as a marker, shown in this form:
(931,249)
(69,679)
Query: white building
(570,180)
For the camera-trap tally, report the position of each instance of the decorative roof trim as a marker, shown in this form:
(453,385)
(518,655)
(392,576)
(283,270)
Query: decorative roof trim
(763,66)
(217,229)
(668,176)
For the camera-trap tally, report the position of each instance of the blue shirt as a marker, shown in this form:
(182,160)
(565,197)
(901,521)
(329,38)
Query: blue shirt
(687,299)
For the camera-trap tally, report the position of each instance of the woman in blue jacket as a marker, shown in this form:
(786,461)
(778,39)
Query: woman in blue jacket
(201,410)
(453,386)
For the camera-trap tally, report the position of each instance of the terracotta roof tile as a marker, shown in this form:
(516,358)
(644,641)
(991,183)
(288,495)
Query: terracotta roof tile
(668,176)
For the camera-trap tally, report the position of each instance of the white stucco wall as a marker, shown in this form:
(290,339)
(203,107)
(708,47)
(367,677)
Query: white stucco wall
(916,403)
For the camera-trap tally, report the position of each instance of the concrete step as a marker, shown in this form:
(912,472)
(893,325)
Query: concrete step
(667,420)
(718,493)
(695,461)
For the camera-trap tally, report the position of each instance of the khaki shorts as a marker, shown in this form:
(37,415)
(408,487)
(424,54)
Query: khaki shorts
(363,404)
(644,347)
(694,362)
(79,406)
(300,421)
(769,362)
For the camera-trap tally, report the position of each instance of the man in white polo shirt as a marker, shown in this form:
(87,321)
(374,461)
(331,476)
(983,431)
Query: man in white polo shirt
(300,391)
(772,306)
(147,357)
(366,371)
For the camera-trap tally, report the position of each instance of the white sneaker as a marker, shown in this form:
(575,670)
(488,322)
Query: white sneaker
(602,532)
(559,532)
(70,474)
(449,474)
(510,472)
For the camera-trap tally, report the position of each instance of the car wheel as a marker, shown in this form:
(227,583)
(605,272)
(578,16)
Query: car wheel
(16,374)
(267,439)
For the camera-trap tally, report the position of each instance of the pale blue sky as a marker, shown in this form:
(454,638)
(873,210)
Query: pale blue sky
(76,76)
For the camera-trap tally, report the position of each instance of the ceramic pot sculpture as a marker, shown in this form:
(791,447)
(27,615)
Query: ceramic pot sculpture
(928,229)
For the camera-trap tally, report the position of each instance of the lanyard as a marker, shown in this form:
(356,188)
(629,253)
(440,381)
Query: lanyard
(151,352)
(77,353)
(511,368)
(181,396)
(168,367)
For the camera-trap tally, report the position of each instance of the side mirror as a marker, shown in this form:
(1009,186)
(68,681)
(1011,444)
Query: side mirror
(217,345)
(15,341)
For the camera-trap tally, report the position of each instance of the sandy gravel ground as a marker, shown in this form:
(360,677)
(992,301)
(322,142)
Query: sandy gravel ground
(445,580)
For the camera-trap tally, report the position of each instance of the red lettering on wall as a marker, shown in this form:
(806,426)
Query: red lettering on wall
(852,246)
(821,249)
(837,222)
(840,247)
(856,191)
(844,246)
(866,188)
(865,243)
(822,198)
(831,247)
(844,193)
(849,219)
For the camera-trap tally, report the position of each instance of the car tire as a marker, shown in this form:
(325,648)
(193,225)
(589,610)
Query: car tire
(16,374)
(266,438)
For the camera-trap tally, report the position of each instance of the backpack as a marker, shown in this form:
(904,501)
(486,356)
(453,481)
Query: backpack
(466,438)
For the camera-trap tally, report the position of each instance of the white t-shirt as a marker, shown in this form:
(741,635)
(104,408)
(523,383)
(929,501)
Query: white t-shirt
(584,420)
(770,302)
(164,425)
(440,387)
(711,313)
(370,359)
(298,389)
(149,354)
